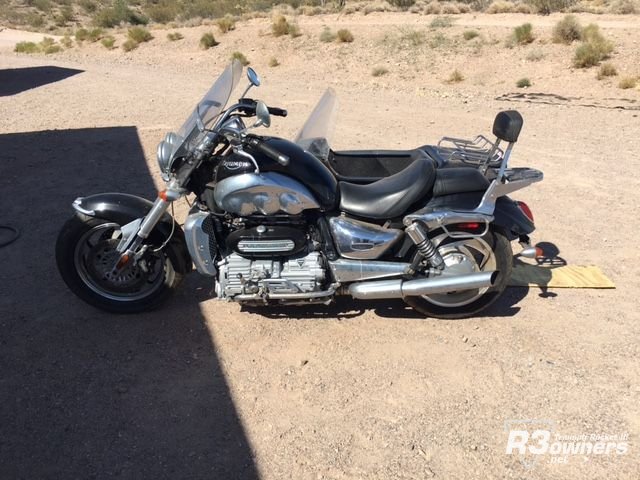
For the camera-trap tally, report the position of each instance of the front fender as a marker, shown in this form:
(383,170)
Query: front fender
(123,208)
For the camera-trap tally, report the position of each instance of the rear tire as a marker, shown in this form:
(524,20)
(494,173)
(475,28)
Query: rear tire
(85,250)
(503,258)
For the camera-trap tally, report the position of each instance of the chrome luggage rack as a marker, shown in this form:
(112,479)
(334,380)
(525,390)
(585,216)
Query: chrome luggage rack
(479,152)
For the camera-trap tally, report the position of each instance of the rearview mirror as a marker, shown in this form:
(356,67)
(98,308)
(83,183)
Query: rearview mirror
(262,113)
(253,77)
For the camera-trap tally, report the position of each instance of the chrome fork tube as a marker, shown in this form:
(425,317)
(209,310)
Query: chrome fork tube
(153,217)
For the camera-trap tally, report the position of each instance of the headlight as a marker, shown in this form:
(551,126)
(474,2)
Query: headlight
(165,151)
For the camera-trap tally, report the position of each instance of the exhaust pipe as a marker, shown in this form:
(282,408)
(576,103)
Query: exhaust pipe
(423,286)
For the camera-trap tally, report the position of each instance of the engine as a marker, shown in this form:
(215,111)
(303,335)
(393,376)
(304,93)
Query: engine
(251,279)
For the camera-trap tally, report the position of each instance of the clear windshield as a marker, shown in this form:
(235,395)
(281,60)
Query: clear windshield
(314,136)
(207,110)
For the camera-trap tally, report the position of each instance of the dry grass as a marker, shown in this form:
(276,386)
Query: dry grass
(628,82)
(208,41)
(441,22)
(139,34)
(281,26)
(344,36)
(226,24)
(593,49)
(174,36)
(108,42)
(535,56)
(470,34)
(607,69)
(379,71)
(273,62)
(240,57)
(455,77)
(130,45)
(327,36)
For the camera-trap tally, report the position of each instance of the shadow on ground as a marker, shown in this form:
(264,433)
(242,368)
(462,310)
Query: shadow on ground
(84,394)
(16,80)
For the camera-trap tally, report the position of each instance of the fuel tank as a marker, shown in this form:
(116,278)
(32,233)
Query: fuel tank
(266,193)
(303,167)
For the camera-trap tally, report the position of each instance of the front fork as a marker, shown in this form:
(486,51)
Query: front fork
(131,246)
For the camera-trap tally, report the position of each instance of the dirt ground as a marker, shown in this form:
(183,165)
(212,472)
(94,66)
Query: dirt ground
(356,390)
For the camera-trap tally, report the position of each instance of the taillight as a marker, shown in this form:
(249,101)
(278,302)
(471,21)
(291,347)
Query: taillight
(526,210)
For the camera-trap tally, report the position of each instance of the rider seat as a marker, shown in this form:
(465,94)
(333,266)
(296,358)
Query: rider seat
(391,196)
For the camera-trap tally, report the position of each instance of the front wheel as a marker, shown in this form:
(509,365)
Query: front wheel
(490,252)
(86,253)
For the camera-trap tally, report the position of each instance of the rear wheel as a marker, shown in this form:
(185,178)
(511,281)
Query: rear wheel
(86,253)
(490,252)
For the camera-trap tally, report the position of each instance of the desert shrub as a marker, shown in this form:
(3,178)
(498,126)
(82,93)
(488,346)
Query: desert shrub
(379,71)
(174,36)
(327,36)
(207,41)
(273,62)
(344,36)
(627,82)
(623,7)
(34,19)
(294,30)
(108,42)
(535,56)
(524,8)
(226,24)
(402,4)
(118,13)
(81,35)
(26,47)
(523,34)
(593,49)
(130,45)
(240,57)
(95,34)
(470,34)
(455,77)
(523,83)
(66,41)
(567,30)
(89,6)
(162,12)
(545,7)
(433,8)
(450,9)
(441,22)
(139,34)
(42,5)
(65,14)
(607,69)
(501,6)
(280,26)
(438,41)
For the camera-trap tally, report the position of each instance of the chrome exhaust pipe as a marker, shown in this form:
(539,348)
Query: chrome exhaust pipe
(423,286)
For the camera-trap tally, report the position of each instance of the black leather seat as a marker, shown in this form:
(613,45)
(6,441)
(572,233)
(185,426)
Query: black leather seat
(391,196)
(459,180)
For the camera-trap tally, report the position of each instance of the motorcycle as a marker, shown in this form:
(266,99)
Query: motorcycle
(279,222)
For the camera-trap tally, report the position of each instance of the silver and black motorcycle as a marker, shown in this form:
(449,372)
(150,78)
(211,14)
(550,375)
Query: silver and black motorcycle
(276,222)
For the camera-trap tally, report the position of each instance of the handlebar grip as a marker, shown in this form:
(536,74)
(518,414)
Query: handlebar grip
(278,112)
(281,158)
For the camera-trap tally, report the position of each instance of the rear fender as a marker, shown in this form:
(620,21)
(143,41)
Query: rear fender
(123,208)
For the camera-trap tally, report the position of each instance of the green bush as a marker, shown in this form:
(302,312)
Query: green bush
(81,35)
(593,49)
(66,41)
(523,34)
(470,34)
(344,36)
(226,24)
(119,13)
(26,47)
(95,34)
(139,34)
(207,41)
(240,57)
(108,42)
(89,6)
(174,36)
(379,71)
(129,45)
(327,36)
(523,83)
(567,30)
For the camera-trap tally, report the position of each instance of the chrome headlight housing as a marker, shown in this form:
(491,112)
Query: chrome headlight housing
(165,151)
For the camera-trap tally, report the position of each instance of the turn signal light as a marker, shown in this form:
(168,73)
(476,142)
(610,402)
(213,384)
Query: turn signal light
(163,195)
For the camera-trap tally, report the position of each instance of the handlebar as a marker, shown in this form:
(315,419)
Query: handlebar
(260,145)
(248,107)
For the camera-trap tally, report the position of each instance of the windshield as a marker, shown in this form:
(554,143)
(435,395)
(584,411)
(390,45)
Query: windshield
(314,137)
(207,109)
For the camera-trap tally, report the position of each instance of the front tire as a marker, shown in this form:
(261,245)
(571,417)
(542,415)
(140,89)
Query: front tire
(455,305)
(85,254)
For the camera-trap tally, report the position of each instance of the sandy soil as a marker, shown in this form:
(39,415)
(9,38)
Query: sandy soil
(204,389)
